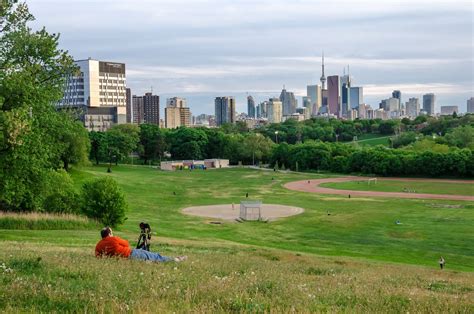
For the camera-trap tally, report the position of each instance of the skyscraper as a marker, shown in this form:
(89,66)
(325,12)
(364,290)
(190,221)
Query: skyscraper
(289,102)
(99,84)
(412,107)
(250,107)
(177,113)
(334,95)
(397,94)
(313,92)
(470,105)
(448,110)
(356,97)
(137,114)
(429,104)
(151,108)
(274,110)
(225,110)
(128,102)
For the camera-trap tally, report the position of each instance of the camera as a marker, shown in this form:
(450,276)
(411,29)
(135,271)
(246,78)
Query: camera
(144,237)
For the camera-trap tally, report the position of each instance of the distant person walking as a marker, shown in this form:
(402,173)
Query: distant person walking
(441,262)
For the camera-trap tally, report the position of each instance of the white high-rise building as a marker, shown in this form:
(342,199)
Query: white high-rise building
(99,88)
(412,107)
(470,105)
(274,110)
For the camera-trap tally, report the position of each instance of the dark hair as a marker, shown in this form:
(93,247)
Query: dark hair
(105,232)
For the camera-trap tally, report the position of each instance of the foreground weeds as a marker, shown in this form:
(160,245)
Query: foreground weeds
(221,279)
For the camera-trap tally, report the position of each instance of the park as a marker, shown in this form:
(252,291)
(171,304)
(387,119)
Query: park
(332,253)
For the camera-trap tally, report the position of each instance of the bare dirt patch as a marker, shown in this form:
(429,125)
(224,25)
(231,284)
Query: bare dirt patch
(225,211)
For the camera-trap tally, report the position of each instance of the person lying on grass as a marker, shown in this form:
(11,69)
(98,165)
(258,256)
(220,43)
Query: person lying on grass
(115,246)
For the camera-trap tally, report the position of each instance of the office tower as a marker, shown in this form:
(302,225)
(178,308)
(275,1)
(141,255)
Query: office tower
(225,110)
(323,78)
(324,99)
(363,111)
(307,103)
(305,112)
(289,102)
(429,104)
(356,97)
(257,112)
(251,107)
(449,110)
(99,84)
(313,92)
(334,95)
(262,109)
(177,113)
(397,94)
(274,110)
(128,102)
(470,105)
(151,108)
(345,99)
(137,114)
(390,104)
(412,107)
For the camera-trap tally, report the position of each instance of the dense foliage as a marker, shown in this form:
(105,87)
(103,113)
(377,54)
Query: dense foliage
(104,200)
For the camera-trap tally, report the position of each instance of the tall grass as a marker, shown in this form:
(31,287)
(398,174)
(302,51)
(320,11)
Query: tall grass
(44,221)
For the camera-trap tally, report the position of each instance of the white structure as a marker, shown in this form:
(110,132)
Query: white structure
(250,210)
(194,164)
(314,94)
(99,84)
(274,110)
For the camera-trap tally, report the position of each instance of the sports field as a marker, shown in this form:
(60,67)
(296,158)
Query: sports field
(327,258)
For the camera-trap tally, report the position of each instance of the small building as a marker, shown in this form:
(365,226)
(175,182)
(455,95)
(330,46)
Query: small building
(194,164)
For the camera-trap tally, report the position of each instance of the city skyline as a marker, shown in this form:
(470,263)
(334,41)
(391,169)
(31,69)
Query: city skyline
(417,47)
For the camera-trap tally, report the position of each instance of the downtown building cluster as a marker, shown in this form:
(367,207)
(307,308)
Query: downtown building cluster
(100,94)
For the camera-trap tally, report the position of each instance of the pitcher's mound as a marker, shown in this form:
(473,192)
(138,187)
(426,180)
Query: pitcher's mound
(224,211)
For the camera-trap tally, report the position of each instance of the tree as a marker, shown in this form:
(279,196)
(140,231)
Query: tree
(152,142)
(104,200)
(257,147)
(188,143)
(98,146)
(120,141)
(32,74)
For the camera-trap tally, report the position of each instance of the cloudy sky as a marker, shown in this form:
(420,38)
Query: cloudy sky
(200,49)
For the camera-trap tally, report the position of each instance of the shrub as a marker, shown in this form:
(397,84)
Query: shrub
(104,201)
(61,196)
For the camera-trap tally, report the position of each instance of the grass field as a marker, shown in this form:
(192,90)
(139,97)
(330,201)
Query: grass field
(356,259)
(373,139)
(400,186)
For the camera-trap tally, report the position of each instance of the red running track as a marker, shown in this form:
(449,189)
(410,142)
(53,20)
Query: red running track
(313,186)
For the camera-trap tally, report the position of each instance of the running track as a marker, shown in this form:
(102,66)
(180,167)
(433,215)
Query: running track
(313,186)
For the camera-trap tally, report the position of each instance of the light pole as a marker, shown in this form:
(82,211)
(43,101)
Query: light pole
(337,136)
(276,137)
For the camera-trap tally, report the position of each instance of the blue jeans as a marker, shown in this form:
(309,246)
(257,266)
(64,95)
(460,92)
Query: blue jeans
(149,256)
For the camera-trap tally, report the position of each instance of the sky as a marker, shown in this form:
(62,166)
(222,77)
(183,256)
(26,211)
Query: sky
(200,49)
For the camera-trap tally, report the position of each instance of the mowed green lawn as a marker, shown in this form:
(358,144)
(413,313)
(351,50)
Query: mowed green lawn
(373,140)
(357,227)
(401,186)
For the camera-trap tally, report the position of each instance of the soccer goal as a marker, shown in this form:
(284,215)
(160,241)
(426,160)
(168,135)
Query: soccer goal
(250,210)
(373,180)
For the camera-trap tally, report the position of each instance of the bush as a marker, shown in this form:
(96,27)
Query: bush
(104,201)
(61,196)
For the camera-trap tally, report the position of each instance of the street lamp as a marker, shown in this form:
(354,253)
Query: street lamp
(276,137)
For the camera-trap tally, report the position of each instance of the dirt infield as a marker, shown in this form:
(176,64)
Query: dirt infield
(313,186)
(225,211)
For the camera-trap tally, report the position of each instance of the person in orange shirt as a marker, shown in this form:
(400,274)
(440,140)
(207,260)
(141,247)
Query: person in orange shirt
(115,246)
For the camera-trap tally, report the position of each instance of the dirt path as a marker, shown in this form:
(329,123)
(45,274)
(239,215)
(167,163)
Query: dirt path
(313,186)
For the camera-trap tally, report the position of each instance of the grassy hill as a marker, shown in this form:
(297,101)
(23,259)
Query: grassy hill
(356,259)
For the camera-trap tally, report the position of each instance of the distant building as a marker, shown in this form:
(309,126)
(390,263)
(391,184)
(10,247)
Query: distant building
(470,105)
(448,110)
(380,114)
(151,108)
(397,94)
(412,107)
(429,104)
(390,104)
(177,113)
(334,95)
(363,111)
(250,107)
(137,114)
(99,84)
(274,110)
(313,92)
(128,104)
(262,109)
(225,110)
(304,111)
(288,101)
(345,99)
(356,97)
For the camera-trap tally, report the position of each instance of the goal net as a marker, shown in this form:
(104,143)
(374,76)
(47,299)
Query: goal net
(251,210)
